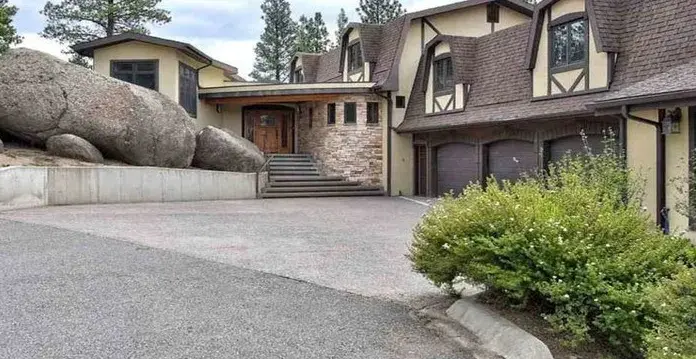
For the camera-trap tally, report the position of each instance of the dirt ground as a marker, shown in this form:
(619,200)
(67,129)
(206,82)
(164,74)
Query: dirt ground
(22,156)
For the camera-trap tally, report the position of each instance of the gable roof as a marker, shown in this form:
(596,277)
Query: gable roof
(87,48)
(310,64)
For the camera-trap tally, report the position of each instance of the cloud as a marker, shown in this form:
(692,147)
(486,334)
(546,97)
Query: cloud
(36,42)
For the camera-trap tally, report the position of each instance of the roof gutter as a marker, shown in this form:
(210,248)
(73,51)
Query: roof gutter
(662,210)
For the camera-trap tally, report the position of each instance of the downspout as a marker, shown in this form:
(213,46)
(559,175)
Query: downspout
(389,138)
(662,210)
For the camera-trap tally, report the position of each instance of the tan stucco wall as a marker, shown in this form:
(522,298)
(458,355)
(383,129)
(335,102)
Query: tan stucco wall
(540,73)
(212,77)
(232,118)
(134,50)
(641,156)
(597,61)
(510,18)
(465,22)
(459,96)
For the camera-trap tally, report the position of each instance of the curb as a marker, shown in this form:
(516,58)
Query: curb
(496,333)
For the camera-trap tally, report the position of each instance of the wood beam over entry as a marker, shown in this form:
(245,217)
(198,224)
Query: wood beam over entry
(272,99)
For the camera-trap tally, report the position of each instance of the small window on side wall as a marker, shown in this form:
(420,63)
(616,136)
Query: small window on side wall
(331,114)
(400,101)
(299,77)
(350,115)
(373,112)
(569,43)
(354,57)
(443,75)
(188,89)
(493,13)
(142,73)
(311,117)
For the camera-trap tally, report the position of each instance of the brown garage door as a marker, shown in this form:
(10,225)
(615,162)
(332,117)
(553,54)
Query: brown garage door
(573,144)
(507,159)
(457,165)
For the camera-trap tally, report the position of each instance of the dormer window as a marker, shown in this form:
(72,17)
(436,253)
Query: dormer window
(443,74)
(355,61)
(569,44)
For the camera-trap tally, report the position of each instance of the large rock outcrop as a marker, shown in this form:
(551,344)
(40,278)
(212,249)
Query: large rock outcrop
(71,146)
(221,150)
(42,96)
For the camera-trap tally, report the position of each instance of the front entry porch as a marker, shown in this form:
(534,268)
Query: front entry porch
(271,128)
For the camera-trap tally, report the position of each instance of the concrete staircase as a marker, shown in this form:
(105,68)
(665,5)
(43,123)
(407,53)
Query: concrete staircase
(296,175)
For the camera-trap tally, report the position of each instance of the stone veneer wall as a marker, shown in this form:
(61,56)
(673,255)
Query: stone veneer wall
(353,151)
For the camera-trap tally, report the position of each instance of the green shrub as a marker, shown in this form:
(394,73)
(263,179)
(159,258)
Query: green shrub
(572,240)
(674,333)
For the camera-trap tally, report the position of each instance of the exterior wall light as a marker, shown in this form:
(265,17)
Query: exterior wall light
(672,122)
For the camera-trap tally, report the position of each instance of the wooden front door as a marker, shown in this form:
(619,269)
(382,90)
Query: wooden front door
(272,130)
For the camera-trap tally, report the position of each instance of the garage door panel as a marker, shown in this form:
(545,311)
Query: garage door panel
(457,166)
(574,144)
(508,159)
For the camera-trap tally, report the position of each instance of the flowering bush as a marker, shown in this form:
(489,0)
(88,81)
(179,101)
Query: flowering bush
(572,240)
(674,333)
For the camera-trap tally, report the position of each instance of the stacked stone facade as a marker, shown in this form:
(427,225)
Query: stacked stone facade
(353,151)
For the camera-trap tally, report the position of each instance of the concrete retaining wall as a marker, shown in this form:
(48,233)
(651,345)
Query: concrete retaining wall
(23,187)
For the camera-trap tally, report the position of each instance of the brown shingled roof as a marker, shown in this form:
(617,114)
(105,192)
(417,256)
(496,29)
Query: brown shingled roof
(656,40)
(310,65)
(463,50)
(327,69)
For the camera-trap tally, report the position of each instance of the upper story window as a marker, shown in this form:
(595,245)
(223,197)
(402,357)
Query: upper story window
(331,114)
(569,43)
(188,89)
(354,57)
(493,13)
(299,77)
(372,112)
(443,75)
(142,73)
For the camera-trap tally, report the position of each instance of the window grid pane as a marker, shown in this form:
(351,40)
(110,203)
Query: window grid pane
(188,88)
(142,73)
(372,112)
(331,114)
(349,113)
(569,43)
(443,75)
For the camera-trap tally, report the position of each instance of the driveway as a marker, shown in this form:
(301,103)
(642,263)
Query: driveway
(356,245)
(250,279)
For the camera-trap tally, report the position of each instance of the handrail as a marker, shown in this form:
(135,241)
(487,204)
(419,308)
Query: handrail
(258,174)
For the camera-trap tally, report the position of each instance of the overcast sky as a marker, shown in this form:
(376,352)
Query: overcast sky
(224,29)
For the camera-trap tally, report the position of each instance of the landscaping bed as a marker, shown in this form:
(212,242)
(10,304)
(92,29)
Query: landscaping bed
(571,245)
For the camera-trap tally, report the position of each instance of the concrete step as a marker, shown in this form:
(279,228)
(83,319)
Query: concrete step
(341,183)
(294,173)
(292,155)
(293,163)
(291,159)
(322,189)
(324,194)
(293,168)
(304,178)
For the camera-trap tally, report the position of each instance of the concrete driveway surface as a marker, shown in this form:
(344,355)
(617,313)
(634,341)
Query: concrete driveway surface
(310,278)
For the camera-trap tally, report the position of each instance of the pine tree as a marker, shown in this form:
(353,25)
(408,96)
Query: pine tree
(8,33)
(277,44)
(379,11)
(312,35)
(341,23)
(75,21)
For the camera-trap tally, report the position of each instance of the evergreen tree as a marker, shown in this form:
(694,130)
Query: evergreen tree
(8,33)
(312,35)
(379,11)
(75,21)
(277,44)
(341,23)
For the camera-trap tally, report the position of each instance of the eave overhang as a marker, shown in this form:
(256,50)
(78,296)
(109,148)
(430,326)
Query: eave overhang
(272,93)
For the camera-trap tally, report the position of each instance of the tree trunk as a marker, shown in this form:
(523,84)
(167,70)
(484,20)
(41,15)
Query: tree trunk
(110,21)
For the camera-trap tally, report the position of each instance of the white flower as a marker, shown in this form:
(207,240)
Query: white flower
(516,160)
(446,246)
(567,296)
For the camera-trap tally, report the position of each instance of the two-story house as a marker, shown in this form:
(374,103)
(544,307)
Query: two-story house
(437,98)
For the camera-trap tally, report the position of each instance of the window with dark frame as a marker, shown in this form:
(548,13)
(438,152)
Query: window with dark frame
(142,72)
(350,114)
(569,43)
(373,112)
(299,77)
(331,114)
(311,117)
(354,57)
(188,89)
(444,79)
(400,101)
(493,13)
